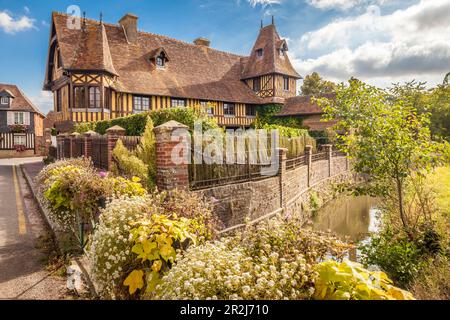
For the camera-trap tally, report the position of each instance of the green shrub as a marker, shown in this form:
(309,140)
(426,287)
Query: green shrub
(266,115)
(128,165)
(394,253)
(433,282)
(146,151)
(350,281)
(134,125)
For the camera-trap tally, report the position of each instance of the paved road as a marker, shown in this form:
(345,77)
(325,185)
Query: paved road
(23,273)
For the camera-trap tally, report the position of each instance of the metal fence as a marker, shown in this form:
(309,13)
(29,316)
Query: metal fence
(207,175)
(100,151)
(78,147)
(296,162)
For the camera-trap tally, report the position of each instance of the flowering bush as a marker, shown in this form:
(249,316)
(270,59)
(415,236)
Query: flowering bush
(133,244)
(18,128)
(288,239)
(73,191)
(220,270)
(190,205)
(20,148)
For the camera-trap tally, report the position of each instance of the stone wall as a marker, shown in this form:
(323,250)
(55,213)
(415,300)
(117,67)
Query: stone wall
(289,192)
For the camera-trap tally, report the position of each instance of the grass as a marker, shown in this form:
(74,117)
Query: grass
(439,181)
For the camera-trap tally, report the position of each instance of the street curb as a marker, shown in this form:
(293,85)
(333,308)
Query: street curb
(77,260)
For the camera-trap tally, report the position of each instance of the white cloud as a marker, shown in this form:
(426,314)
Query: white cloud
(44,101)
(410,43)
(11,25)
(342,4)
(263,3)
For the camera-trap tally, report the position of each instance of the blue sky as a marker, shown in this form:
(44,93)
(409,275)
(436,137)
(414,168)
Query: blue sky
(378,41)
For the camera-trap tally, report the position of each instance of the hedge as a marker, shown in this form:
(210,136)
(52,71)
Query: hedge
(135,124)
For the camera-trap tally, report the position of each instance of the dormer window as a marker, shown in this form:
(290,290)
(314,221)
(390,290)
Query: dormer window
(160,61)
(259,53)
(159,58)
(4,101)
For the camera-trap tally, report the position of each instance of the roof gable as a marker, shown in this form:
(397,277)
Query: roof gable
(302,105)
(194,71)
(20,101)
(270,42)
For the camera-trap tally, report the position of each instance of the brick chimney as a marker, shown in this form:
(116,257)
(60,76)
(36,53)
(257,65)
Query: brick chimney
(202,42)
(129,24)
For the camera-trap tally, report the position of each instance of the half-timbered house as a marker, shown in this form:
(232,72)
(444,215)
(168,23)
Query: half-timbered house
(99,71)
(21,123)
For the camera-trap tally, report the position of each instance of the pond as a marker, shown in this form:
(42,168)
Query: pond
(350,217)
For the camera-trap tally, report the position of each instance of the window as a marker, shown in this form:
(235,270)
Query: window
(286,83)
(4,101)
(108,98)
(58,59)
(178,103)
(259,53)
(79,97)
(58,100)
(141,103)
(250,110)
(281,52)
(207,107)
(257,84)
(20,140)
(228,109)
(161,60)
(19,118)
(94,97)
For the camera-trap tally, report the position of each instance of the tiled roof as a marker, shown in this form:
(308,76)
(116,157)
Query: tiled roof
(20,101)
(270,62)
(301,105)
(193,71)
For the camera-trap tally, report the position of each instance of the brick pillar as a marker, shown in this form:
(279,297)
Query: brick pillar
(282,157)
(329,150)
(308,154)
(113,134)
(87,152)
(47,141)
(170,175)
(60,146)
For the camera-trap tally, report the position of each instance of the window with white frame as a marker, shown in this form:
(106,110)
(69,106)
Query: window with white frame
(20,140)
(176,103)
(4,101)
(141,103)
(19,118)
(94,97)
(228,109)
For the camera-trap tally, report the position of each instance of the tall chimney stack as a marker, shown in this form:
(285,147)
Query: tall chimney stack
(129,24)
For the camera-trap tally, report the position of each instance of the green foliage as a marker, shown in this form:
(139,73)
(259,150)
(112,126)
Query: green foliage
(288,132)
(154,242)
(434,102)
(128,165)
(266,115)
(395,254)
(135,124)
(350,281)
(387,138)
(146,151)
(433,282)
(314,85)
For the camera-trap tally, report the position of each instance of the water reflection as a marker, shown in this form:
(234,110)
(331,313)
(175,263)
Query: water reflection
(350,217)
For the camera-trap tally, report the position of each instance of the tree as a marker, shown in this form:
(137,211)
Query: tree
(387,138)
(435,102)
(314,85)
